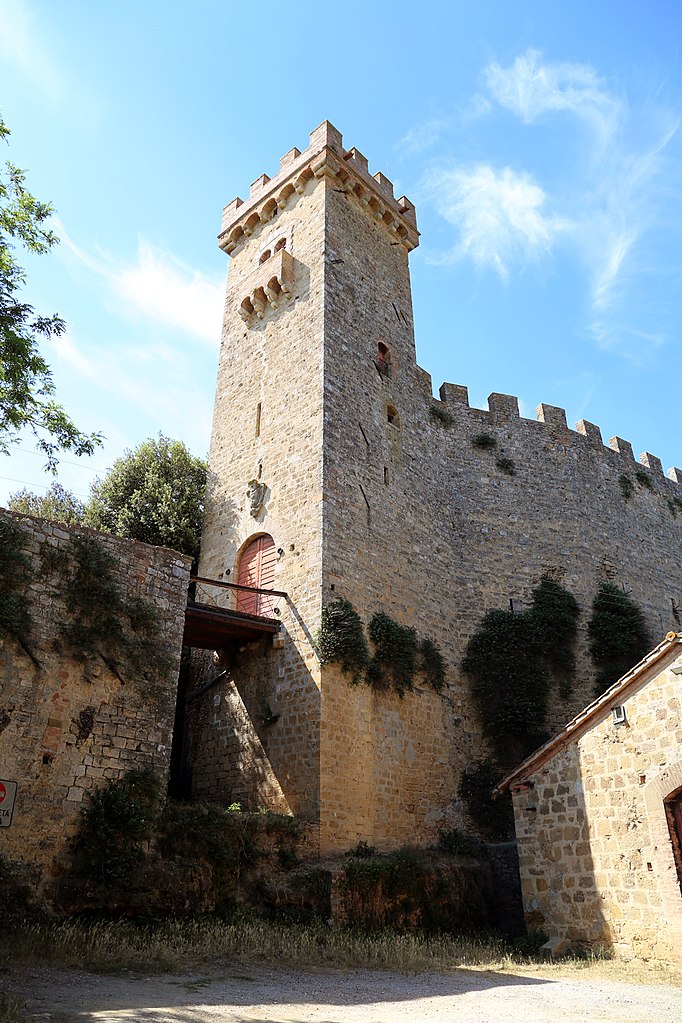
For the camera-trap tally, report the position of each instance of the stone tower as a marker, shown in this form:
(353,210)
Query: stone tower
(318,298)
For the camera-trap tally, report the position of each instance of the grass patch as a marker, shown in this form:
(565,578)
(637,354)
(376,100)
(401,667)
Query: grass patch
(441,415)
(484,441)
(205,944)
(115,946)
(11,1009)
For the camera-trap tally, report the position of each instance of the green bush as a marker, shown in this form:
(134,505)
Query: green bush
(116,826)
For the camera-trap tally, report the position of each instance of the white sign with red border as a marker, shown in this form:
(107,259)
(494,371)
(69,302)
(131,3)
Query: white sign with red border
(8,793)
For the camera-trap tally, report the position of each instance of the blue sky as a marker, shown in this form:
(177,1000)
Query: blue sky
(540,142)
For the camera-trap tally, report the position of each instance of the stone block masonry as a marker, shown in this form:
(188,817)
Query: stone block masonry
(382,494)
(599,853)
(68,725)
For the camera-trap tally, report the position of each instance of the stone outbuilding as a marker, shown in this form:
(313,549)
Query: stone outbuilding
(598,814)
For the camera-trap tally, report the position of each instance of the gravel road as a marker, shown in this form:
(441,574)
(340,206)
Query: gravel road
(249,994)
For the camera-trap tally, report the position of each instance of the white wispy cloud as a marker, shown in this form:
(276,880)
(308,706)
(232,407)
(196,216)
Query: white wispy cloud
(532,87)
(422,136)
(499,215)
(157,286)
(614,192)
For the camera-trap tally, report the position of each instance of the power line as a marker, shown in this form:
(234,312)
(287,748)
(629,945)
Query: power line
(78,465)
(41,486)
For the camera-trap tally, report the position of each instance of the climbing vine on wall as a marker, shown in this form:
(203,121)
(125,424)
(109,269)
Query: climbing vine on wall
(494,818)
(394,664)
(618,635)
(512,659)
(400,658)
(105,624)
(341,639)
(15,575)
(555,614)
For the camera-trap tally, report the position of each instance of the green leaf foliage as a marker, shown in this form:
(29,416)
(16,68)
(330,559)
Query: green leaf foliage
(395,660)
(495,818)
(512,659)
(26,385)
(116,825)
(57,504)
(123,632)
(15,576)
(555,613)
(154,494)
(432,664)
(399,659)
(509,682)
(618,635)
(341,639)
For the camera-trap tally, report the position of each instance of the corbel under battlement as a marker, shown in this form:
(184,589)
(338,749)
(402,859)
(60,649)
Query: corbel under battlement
(269,284)
(325,156)
(504,408)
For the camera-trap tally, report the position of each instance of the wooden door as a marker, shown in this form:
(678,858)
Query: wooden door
(257,568)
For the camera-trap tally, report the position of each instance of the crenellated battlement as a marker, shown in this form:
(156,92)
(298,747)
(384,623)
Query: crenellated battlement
(325,156)
(504,409)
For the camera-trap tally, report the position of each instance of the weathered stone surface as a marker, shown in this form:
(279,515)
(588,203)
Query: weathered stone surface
(597,861)
(69,730)
(407,516)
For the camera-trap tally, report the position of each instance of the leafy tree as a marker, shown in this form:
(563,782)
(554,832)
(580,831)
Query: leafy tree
(26,385)
(57,504)
(154,494)
(618,635)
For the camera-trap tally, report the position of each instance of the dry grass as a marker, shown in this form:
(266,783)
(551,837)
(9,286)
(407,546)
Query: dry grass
(11,1009)
(110,947)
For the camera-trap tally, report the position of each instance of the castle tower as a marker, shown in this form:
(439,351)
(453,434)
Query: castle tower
(317,349)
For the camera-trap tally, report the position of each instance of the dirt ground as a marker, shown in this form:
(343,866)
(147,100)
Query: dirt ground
(251,994)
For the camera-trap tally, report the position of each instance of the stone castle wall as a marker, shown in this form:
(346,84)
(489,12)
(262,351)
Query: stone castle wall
(410,515)
(66,730)
(596,858)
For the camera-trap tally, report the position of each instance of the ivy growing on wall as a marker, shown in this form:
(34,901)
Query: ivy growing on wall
(104,623)
(555,614)
(433,664)
(627,487)
(395,654)
(512,659)
(494,818)
(341,639)
(441,415)
(400,660)
(15,575)
(618,635)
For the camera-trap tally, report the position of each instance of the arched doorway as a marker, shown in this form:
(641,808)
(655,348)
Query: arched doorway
(257,568)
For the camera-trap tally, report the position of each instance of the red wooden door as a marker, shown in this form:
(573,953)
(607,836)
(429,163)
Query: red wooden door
(257,568)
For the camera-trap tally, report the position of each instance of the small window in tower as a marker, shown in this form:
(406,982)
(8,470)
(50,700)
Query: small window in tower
(392,416)
(259,409)
(386,475)
(384,359)
(265,256)
(281,244)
